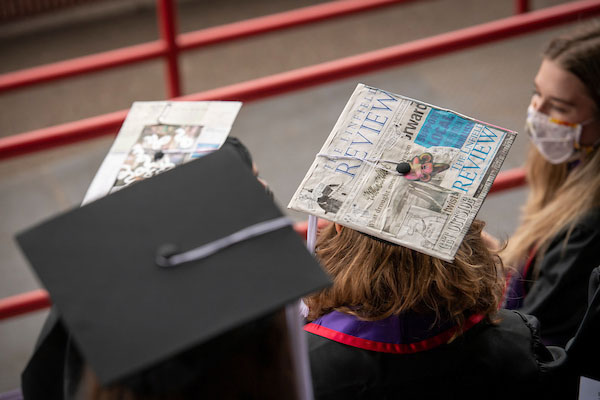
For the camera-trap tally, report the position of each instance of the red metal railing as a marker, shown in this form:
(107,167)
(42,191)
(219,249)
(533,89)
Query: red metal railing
(317,74)
(24,303)
(270,86)
(170,44)
(168,31)
(35,300)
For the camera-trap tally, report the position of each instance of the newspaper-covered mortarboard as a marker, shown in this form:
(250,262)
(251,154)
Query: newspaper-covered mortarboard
(167,264)
(403,171)
(159,135)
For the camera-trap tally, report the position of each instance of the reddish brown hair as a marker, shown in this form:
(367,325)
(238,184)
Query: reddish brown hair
(374,279)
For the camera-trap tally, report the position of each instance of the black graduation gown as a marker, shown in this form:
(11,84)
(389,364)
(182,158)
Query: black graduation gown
(505,360)
(558,295)
(583,351)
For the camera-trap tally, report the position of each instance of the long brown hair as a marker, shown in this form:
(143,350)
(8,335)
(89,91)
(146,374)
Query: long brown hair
(373,279)
(558,198)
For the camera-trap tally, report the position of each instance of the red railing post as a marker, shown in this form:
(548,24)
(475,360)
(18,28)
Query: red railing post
(521,6)
(168,31)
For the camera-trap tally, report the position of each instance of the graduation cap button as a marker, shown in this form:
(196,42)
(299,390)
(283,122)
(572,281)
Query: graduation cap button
(403,168)
(158,155)
(164,254)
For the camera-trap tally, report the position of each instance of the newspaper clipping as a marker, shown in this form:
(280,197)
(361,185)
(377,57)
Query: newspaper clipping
(450,163)
(159,135)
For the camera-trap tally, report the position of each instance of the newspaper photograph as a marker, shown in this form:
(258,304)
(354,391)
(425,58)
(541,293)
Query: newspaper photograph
(405,171)
(159,148)
(159,135)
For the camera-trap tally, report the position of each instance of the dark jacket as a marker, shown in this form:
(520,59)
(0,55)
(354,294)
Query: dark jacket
(555,290)
(503,360)
(583,351)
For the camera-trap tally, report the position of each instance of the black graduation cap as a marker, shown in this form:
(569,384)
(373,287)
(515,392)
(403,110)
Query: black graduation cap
(169,263)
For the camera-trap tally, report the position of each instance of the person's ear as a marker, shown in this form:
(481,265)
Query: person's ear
(338,227)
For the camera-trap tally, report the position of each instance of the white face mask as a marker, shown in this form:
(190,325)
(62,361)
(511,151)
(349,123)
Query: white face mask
(557,141)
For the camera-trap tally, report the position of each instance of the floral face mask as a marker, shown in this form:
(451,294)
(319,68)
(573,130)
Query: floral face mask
(557,141)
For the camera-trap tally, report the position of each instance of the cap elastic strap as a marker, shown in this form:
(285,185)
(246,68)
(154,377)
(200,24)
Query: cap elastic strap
(311,233)
(261,228)
(299,351)
(587,149)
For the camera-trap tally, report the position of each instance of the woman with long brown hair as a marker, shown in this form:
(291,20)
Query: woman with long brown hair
(556,245)
(401,324)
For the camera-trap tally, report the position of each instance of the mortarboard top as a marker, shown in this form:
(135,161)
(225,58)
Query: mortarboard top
(101,264)
(403,171)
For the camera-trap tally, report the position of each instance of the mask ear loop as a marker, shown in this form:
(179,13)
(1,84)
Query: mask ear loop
(578,146)
(587,149)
